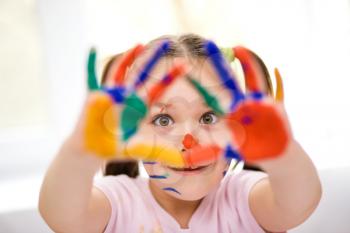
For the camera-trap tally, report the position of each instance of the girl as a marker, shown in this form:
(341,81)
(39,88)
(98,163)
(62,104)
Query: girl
(191,197)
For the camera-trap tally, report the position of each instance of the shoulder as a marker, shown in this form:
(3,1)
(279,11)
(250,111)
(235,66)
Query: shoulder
(124,195)
(242,182)
(119,185)
(233,199)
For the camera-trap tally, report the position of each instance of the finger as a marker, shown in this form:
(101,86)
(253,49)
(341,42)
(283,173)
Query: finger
(134,111)
(100,126)
(209,98)
(126,62)
(226,76)
(159,88)
(231,153)
(279,96)
(252,72)
(144,74)
(92,78)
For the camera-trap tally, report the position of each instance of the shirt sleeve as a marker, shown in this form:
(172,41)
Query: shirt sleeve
(237,193)
(121,192)
(106,185)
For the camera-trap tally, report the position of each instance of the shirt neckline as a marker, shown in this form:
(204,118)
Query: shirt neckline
(196,215)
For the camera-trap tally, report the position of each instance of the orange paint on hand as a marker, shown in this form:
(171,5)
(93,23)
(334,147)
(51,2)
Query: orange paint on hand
(250,69)
(279,87)
(100,126)
(189,141)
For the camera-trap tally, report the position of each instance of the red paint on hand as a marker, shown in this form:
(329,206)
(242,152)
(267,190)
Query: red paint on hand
(264,133)
(159,88)
(126,61)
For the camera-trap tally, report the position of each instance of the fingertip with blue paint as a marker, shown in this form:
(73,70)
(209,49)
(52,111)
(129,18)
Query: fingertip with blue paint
(232,153)
(117,93)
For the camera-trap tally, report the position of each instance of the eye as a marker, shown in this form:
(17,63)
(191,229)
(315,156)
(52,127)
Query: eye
(208,118)
(162,120)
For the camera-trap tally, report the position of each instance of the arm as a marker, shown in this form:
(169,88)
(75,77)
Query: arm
(290,194)
(263,137)
(68,202)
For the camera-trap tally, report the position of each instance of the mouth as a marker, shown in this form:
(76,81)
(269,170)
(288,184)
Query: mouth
(192,170)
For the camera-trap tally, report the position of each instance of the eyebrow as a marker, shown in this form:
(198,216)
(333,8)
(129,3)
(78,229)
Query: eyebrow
(162,106)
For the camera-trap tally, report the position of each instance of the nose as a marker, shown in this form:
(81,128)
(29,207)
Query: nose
(189,141)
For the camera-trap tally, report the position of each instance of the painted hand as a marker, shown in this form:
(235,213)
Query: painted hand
(259,125)
(113,115)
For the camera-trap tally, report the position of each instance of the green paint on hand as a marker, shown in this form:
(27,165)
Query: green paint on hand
(228,54)
(92,79)
(210,100)
(134,111)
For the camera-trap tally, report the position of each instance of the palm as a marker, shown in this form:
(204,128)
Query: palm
(263,133)
(114,114)
(259,128)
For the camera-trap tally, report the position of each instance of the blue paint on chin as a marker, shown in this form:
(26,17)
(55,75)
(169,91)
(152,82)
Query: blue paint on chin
(172,190)
(157,177)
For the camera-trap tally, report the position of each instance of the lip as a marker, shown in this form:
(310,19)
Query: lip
(189,171)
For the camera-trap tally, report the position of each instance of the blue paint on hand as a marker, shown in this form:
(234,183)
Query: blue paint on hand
(228,80)
(257,95)
(231,153)
(163,48)
(246,120)
(117,93)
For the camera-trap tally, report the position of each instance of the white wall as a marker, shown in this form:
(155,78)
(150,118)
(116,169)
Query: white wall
(307,40)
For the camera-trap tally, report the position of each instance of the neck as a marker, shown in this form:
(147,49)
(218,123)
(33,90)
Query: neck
(181,210)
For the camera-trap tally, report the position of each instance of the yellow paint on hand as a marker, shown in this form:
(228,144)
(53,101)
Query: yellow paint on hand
(161,154)
(279,87)
(101,125)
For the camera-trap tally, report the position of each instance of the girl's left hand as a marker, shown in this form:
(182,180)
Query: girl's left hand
(258,122)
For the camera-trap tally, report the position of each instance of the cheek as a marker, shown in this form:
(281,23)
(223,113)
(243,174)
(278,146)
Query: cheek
(217,134)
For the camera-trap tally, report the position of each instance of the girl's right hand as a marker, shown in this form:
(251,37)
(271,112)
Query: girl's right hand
(112,116)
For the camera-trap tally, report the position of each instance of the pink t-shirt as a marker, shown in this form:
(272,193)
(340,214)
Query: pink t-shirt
(223,210)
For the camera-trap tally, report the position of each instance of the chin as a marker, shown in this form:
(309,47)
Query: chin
(189,196)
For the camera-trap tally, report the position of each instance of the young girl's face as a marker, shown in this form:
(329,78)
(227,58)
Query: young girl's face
(180,118)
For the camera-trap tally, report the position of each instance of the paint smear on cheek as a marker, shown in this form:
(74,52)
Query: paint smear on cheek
(171,190)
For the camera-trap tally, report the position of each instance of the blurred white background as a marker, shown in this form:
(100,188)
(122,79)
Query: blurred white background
(44,46)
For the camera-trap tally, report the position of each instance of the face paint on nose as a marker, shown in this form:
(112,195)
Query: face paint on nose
(189,141)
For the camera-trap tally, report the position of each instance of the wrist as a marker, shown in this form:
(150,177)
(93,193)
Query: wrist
(75,152)
(292,151)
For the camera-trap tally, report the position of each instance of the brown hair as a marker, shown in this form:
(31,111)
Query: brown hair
(190,45)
